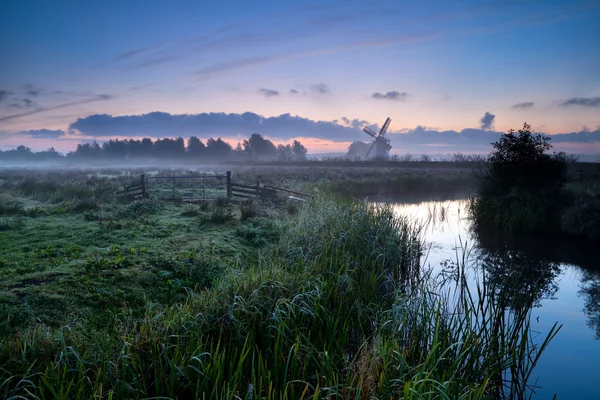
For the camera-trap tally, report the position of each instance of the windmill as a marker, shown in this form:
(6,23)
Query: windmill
(381,142)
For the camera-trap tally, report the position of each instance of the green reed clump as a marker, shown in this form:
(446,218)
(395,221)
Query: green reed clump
(140,207)
(11,222)
(247,210)
(190,211)
(259,231)
(338,309)
(359,236)
(218,215)
(582,217)
(10,205)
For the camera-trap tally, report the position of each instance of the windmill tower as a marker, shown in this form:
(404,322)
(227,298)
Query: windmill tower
(380,142)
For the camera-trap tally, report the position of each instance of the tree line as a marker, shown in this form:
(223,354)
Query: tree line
(255,148)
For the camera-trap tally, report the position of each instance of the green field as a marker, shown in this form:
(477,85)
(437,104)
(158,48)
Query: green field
(101,298)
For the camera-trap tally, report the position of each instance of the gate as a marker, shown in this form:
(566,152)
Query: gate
(188,187)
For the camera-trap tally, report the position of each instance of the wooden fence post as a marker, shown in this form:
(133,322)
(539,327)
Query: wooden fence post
(143,184)
(229,191)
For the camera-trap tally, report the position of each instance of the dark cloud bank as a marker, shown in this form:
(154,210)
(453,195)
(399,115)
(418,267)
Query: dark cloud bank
(160,124)
(286,126)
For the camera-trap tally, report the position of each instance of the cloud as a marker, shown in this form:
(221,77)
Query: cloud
(393,95)
(320,88)
(28,103)
(4,94)
(231,66)
(268,92)
(33,90)
(43,133)
(100,97)
(22,103)
(359,123)
(204,125)
(294,91)
(577,137)
(487,121)
(527,104)
(581,101)
(131,53)
(154,61)
(426,139)
(141,87)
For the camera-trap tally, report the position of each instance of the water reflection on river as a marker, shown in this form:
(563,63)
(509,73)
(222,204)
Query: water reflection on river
(560,276)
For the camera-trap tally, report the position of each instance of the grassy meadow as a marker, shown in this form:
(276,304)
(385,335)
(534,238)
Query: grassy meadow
(106,299)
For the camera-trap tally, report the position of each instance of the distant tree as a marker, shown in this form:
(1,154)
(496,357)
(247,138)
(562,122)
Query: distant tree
(285,153)
(195,147)
(299,151)
(134,148)
(88,150)
(459,157)
(259,147)
(115,148)
(217,148)
(358,149)
(146,147)
(169,148)
(23,149)
(407,157)
(50,154)
(24,153)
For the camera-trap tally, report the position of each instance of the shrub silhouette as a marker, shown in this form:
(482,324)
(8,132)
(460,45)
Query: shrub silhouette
(521,189)
(520,161)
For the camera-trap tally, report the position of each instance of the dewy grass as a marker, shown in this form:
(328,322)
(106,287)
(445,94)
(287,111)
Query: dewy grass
(337,309)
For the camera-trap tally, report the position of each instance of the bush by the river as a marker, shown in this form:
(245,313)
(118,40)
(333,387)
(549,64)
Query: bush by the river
(524,188)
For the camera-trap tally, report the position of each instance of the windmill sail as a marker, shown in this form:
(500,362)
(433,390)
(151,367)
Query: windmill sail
(369,131)
(385,127)
(370,148)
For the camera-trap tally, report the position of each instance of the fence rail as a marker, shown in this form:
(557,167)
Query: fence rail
(200,187)
(278,189)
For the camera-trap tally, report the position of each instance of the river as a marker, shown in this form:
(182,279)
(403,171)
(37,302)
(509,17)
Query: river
(563,275)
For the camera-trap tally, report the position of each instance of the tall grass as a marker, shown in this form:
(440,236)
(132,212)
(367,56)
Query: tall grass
(339,309)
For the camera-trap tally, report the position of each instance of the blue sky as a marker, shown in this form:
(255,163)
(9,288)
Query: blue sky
(435,64)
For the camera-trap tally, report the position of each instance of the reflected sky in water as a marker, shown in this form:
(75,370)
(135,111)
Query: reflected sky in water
(570,295)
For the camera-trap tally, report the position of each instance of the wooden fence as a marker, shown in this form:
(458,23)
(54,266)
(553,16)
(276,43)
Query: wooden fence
(195,187)
(135,191)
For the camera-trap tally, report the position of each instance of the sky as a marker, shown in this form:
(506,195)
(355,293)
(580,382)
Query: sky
(448,73)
